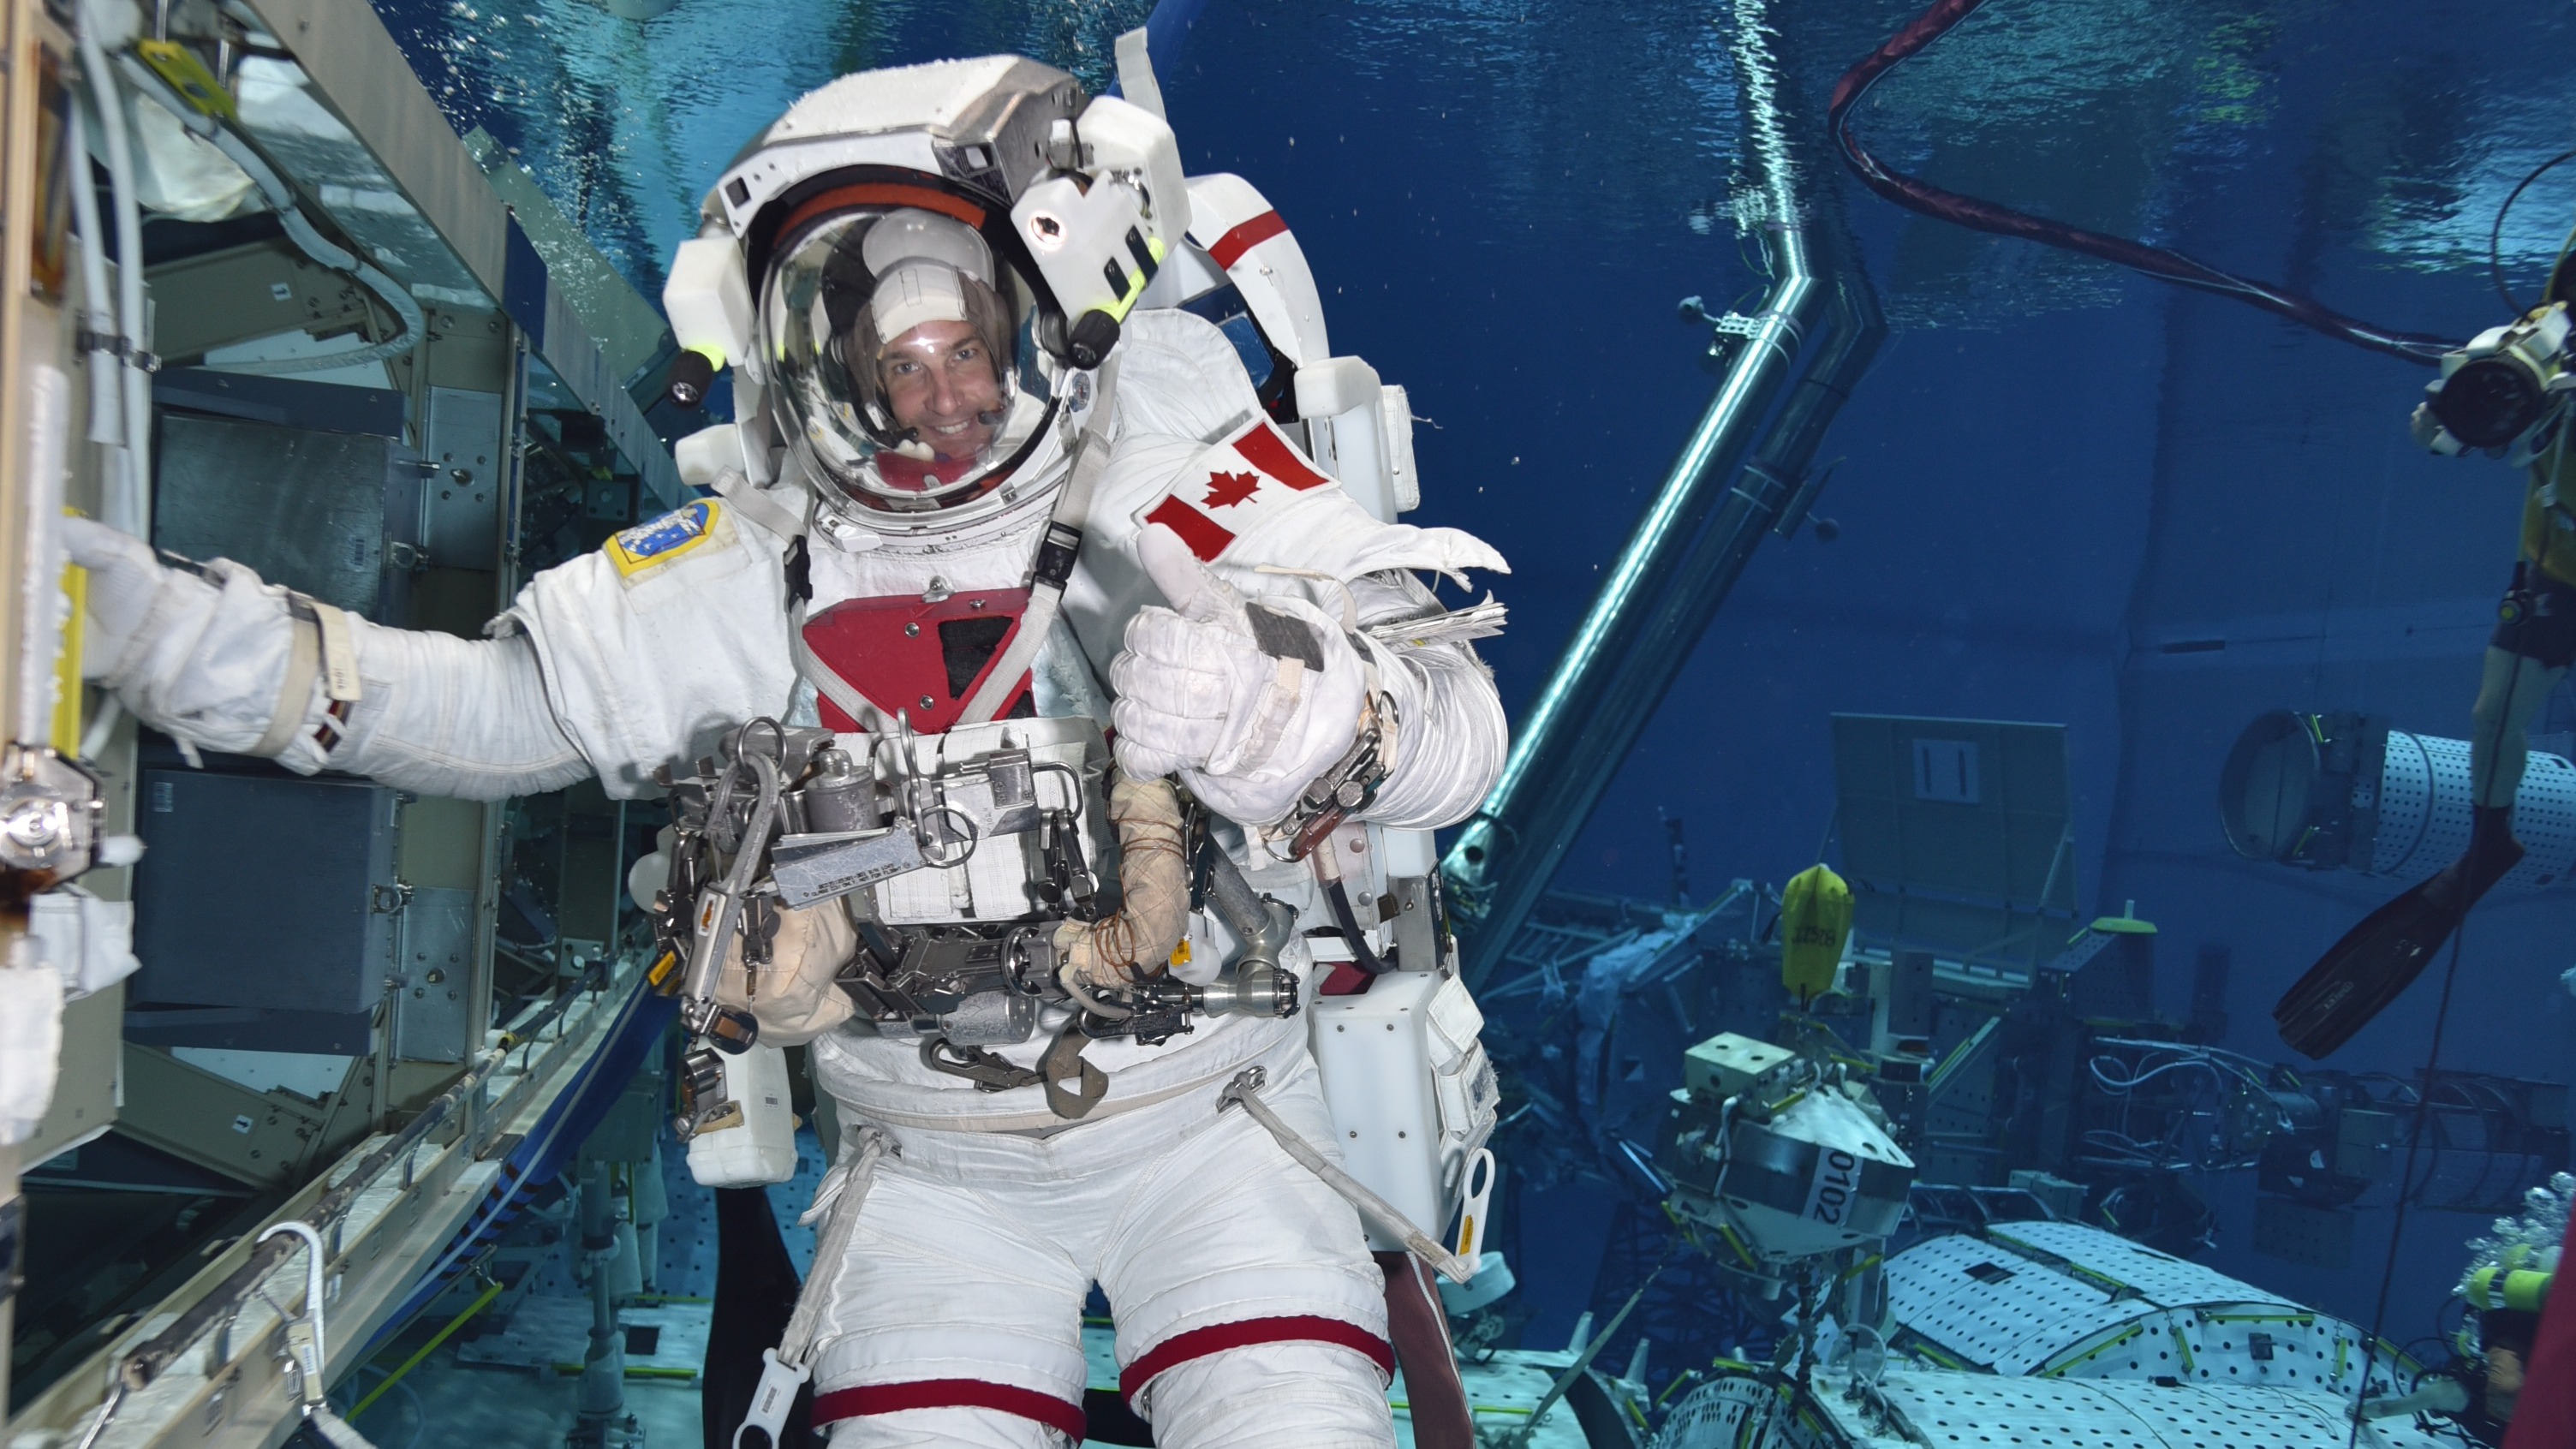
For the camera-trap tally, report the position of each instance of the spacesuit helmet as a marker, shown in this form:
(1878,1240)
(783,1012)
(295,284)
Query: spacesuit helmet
(903,361)
(913,270)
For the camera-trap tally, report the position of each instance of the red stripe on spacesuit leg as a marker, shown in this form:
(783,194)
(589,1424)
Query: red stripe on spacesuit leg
(1220,1337)
(1230,247)
(865,1399)
(1264,449)
(1200,532)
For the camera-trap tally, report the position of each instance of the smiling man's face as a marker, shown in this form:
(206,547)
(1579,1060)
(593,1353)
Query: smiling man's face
(940,382)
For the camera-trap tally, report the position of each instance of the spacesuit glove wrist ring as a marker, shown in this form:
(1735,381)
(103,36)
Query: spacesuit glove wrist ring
(1349,786)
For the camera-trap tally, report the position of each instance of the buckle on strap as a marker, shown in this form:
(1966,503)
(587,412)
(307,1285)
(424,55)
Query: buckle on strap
(771,1401)
(989,1070)
(1063,1062)
(323,648)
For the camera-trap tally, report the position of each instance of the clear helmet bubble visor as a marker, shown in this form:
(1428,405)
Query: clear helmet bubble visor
(905,363)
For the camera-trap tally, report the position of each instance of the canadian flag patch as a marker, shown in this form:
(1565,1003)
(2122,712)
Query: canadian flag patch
(1230,489)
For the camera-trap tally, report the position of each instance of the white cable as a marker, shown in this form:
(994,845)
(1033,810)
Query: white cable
(94,739)
(98,305)
(128,509)
(299,230)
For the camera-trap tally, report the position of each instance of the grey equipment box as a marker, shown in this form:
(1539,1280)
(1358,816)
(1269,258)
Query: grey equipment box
(265,911)
(333,514)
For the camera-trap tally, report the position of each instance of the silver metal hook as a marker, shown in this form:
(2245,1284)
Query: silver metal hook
(317,1350)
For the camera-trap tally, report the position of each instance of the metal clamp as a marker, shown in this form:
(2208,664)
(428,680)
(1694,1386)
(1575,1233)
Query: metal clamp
(118,346)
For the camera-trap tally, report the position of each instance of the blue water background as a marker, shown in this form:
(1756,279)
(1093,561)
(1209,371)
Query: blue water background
(2055,471)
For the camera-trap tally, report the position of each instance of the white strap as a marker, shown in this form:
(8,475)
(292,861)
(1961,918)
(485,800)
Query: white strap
(839,1202)
(295,691)
(826,680)
(1136,74)
(1244,1091)
(761,505)
(1040,1120)
(1063,532)
(339,654)
(333,1430)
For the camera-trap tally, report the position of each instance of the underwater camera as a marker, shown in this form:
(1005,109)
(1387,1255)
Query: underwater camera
(2504,393)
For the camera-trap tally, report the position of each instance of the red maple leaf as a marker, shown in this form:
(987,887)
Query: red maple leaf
(1228,489)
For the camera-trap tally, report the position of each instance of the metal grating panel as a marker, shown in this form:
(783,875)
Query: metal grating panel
(2012,1318)
(1974,1411)
(2069,1338)
(2224,1346)
(1729,1412)
(1955,836)
(1929,1273)
(2159,1278)
(2091,1305)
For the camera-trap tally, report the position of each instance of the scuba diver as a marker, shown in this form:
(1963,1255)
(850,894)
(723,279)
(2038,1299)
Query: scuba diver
(965,486)
(2505,1337)
(2533,644)
(2496,394)
(2507,1290)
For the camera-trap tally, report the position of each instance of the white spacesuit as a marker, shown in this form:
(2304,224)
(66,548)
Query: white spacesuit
(894,271)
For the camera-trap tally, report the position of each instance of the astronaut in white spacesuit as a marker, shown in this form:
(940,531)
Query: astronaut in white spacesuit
(929,417)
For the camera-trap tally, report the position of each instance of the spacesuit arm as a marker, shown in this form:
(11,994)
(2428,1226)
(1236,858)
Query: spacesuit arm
(1450,735)
(462,718)
(211,658)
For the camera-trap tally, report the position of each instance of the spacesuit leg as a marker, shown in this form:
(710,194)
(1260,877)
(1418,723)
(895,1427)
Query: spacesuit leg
(1250,1313)
(951,1322)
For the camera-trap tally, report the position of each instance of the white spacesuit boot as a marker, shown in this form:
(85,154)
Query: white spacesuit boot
(929,537)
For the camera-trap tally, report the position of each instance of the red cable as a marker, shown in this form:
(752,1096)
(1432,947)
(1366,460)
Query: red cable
(1917,195)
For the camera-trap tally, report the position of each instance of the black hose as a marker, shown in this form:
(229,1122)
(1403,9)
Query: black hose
(2162,263)
(2495,233)
(1348,922)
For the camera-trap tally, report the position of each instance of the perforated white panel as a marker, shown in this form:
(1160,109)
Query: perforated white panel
(2544,820)
(2249,1345)
(2424,811)
(1730,1412)
(1988,1305)
(2159,1278)
(2065,1300)
(2405,803)
(1946,1410)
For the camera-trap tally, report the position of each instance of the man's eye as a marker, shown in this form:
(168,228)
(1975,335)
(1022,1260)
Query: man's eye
(969,353)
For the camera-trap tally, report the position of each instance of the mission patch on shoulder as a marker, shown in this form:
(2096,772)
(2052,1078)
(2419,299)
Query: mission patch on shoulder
(665,538)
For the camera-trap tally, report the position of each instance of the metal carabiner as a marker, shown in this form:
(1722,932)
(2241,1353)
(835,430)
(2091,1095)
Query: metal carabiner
(305,1342)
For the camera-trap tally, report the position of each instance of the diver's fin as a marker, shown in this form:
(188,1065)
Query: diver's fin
(2370,967)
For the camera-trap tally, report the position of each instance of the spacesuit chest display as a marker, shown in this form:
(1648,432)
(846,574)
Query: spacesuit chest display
(920,657)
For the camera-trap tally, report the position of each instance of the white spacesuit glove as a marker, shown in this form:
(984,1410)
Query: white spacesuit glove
(202,657)
(210,659)
(1244,702)
(125,582)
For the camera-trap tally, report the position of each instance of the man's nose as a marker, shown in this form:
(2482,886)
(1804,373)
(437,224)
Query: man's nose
(943,389)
